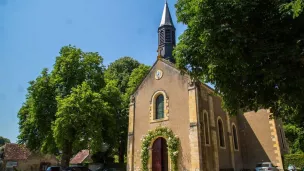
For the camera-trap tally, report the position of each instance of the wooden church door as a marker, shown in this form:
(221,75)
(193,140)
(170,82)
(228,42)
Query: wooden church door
(160,155)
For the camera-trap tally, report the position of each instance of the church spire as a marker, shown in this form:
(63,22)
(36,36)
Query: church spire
(166,18)
(166,35)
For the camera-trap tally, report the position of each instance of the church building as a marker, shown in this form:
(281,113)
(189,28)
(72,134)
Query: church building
(176,123)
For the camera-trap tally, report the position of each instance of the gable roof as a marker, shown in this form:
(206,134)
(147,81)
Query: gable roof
(140,83)
(16,152)
(80,157)
(173,66)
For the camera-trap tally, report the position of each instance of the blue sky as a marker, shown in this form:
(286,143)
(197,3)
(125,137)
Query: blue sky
(33,31)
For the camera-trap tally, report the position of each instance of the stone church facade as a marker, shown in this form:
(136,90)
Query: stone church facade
(209,139)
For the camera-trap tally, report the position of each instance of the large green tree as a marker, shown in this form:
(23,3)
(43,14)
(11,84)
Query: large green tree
(3,141)
(122,74)
(68,109)
(37,114)
(83,118)
(252,51)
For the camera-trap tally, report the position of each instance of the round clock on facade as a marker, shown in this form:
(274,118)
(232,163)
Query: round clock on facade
(158,74)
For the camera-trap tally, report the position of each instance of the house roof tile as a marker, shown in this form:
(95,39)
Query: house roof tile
(80,157)
(16,152)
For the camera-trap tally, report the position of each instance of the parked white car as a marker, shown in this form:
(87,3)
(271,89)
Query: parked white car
(263,166)
(291,168)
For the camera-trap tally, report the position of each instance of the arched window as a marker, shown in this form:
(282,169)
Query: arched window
(206,128)
(235,139)
(159,107)
(221,132)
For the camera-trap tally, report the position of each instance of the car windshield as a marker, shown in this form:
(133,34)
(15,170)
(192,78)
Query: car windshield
(262,165)
(53,169)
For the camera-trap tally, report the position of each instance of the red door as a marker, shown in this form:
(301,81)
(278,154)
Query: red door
(159,155)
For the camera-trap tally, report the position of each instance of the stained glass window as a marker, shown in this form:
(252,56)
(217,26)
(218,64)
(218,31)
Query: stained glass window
(159,107)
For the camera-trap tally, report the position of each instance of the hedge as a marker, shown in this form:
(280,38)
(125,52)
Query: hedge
(295,159)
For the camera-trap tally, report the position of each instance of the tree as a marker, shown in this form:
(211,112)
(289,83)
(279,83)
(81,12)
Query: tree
(71,69)
(120,70)
(37,114)
(3,141)
(118,74)
(295,137)
(83,119)
(68,109)
(252,51)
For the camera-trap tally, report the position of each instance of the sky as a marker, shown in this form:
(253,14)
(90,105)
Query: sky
(33,31)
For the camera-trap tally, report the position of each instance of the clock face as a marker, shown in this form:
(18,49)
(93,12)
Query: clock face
(158,74)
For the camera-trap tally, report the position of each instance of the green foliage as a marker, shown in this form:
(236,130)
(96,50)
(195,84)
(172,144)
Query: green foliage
(135,79)
(172,142)
(295,137)
(78,105)
(70,108)
(120,71)
(73,67)
(250,50)
(37,114)
(81,117)
(123,75)
(294,6)
(294,159)
(3,141)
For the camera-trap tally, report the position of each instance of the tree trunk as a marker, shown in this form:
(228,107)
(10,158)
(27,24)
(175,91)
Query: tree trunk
(122,151)
(3,168)
(66,155)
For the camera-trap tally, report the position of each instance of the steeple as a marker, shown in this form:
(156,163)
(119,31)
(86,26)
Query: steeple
(166,35)
(166,18)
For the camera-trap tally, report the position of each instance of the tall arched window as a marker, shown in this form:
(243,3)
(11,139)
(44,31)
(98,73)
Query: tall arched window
(206,128)
(235,139)
(159,107)
(221,132)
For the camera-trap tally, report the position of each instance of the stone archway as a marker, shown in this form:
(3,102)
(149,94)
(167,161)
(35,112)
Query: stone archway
(160,155)
(172,144)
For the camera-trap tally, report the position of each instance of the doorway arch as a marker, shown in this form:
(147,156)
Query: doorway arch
(160,155)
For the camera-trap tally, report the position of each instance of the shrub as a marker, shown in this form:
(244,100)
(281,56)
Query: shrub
(295,159)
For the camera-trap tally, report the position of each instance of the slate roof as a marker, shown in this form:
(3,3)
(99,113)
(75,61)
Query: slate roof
(166,17)
(16,152)
(80,157)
